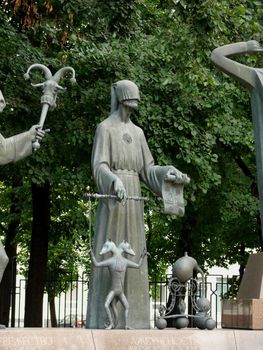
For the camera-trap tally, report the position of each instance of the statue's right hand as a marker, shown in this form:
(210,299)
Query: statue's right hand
(37,133)
(253,46)
(120,191)
(34,130)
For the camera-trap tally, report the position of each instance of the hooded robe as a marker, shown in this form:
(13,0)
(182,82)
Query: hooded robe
(120,149)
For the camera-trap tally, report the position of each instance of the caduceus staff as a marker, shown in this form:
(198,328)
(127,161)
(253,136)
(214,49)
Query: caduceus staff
(50,89)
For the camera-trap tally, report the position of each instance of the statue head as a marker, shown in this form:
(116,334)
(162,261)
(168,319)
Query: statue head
(125,247)
(2,102)
(108,246)
(50,86)
(125,92)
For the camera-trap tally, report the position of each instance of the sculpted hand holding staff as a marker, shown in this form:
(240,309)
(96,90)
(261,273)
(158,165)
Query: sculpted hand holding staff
(13,149)
(120,160)
(20,146)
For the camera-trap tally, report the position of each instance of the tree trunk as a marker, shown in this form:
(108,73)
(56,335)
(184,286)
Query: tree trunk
(185,240)
(243,263)
(7,288)
(53,316)
(38,255)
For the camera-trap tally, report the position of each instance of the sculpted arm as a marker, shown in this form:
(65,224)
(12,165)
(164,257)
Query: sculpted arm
(244,74)
(96,263)
(135,265)
(19,146)
(153,175)
(106,181)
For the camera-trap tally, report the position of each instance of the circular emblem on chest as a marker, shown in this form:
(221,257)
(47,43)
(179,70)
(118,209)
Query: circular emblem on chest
(127,138)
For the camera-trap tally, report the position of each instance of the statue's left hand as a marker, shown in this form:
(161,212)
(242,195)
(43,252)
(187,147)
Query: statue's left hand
(176,176)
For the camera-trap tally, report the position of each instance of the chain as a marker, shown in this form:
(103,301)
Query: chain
(112,196)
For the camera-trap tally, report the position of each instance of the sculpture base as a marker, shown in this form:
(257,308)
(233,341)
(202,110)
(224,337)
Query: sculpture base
(253,276)
(172,339)
(242,313)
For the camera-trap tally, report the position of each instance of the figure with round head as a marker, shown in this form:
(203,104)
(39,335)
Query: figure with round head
(121,159)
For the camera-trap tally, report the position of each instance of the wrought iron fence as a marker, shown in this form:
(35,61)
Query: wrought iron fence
(71,305)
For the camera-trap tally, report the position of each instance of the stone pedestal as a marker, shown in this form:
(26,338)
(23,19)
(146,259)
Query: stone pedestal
(87,339)
(251,286)
(247,310)
(242,313)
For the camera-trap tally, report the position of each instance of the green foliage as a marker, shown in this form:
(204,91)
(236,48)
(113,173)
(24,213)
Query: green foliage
(233,286)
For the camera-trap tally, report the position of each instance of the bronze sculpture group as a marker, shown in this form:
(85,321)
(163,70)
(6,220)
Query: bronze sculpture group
(121,159)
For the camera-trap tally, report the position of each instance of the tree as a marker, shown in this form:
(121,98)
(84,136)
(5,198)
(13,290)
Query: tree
(38,257)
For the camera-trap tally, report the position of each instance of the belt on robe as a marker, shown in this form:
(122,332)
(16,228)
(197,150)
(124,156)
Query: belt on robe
(125,172)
